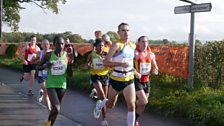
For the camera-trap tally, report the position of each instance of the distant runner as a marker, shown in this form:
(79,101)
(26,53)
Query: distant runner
(42,74)
(28,54)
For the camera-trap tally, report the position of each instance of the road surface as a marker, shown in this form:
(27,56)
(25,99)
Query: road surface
(17,109)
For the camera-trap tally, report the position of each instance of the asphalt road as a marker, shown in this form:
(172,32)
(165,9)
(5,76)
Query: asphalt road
(17,109)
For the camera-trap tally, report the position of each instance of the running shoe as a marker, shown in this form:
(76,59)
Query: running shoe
(104,123)
(21,79)
(97,109)
(47,123)
(95,98)
(93,92)
(30,93)
(136,123)
(40,96)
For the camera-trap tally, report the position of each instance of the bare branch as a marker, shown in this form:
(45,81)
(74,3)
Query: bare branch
(39,5)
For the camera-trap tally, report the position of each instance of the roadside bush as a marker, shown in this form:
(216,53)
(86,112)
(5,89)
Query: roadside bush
(209,64)
(11,50)
(203,107)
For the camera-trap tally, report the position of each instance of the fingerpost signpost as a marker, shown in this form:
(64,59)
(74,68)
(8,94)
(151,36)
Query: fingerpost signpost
(192,9)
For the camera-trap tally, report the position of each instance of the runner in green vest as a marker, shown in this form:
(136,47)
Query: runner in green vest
(59,66)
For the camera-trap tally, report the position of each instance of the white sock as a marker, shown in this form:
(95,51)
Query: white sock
(131,118)
(103,103)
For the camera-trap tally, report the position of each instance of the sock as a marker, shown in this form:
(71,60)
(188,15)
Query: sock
(131,118)
(103,103)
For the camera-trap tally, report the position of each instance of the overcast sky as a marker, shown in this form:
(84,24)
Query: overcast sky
(153,18)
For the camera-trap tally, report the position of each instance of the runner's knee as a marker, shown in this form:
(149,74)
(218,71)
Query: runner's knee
(142,102)
(131,106)
(110,105)
(55,109)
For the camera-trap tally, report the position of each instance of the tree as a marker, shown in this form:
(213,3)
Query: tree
(165,41)
(78,38)
(114,37)
(11,9)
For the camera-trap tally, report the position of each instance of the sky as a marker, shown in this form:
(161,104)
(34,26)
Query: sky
(153,18)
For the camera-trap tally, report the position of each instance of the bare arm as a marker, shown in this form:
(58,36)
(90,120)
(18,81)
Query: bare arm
(70,62)
(42,64)
(88,61)
(36,58)
(155,68)
(136,73)
(108,60)
(22,53)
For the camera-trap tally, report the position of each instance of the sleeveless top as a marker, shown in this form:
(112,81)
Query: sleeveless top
(56,77)
(97,67)
(30,52)
(42,73)
(143,64)
(126,54)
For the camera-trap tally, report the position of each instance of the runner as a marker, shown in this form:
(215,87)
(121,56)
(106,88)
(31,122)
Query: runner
(93,94)
(28,54)
(58,63)
(144,63)
(98,34)
(107,42)
(42,74)
(99,73)
(69,48)
(120,57)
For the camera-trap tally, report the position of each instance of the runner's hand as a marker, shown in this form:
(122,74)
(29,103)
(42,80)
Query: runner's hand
(138,75)
(125,64)
(48,65)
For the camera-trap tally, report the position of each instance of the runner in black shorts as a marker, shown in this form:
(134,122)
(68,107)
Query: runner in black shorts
(99,74)
(42,74)
(29,55)
(144,61)
(120,58)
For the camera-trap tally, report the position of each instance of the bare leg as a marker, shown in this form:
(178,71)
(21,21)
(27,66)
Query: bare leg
(141,102)
(47,100)
(55,96)
(130,98)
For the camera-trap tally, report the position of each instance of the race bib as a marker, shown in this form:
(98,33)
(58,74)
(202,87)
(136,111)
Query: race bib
(58,67)
(145,68)
(98,64)
(30,57)
(44,72)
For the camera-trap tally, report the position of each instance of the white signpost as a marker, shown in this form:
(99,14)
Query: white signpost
(182,9)
(204,7)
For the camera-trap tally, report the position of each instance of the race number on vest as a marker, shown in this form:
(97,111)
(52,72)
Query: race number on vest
(30,57)
(58,67)
(145,68)
(97,64)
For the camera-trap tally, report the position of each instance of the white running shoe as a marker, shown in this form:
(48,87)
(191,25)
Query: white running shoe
(97,109)
(104,123)
(93,92)
(40,96)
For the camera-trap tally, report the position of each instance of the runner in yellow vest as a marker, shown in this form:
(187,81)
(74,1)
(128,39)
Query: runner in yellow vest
(99,73)
(120,57)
